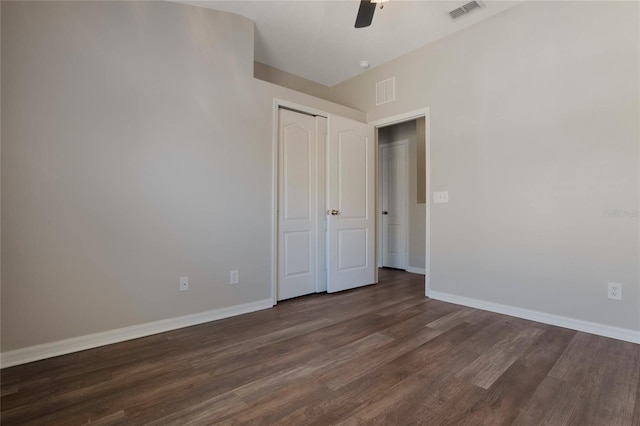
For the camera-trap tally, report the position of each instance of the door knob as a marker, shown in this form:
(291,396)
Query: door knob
(334,212)
(385,212)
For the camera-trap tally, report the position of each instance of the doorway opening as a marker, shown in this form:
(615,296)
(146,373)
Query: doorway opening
(418,160)
(402,196)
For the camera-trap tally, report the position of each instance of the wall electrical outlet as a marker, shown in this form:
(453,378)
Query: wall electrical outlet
(184,284)
(440,197)
(234,277)
(614,291)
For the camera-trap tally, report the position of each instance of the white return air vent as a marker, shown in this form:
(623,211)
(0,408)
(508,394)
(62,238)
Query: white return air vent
(463,10)
(386,91)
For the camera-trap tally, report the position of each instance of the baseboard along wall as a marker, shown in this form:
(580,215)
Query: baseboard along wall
(624,334)
(76,344)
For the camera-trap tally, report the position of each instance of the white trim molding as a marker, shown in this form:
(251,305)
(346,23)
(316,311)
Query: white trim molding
(618,333)
(421,271)
(76,344)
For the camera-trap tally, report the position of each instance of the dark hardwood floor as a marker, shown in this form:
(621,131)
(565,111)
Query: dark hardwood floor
(382,354)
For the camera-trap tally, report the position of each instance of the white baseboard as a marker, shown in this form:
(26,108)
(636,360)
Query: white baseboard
(413,270)
(625,334)
(62,347)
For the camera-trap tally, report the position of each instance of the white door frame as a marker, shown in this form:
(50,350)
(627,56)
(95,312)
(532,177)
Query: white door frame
(277,103)
(380,227)
(400,118)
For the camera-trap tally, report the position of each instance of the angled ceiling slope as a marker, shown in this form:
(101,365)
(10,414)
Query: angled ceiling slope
(317,40)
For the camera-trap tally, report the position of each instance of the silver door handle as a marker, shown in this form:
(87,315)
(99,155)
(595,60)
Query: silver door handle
(333,212)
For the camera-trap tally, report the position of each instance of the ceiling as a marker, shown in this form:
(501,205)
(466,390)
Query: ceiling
(317,39)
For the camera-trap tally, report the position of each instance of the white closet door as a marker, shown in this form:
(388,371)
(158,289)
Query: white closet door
(350,204)
(297,210)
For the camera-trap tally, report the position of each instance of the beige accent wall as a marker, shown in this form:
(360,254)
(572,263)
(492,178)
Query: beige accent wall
(535,134)
(417,221)
(290,81)
(136,148)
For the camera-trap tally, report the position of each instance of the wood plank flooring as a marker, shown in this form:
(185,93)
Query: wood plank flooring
(382,354)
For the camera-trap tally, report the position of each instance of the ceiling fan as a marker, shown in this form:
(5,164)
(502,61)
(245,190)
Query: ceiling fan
(365,12)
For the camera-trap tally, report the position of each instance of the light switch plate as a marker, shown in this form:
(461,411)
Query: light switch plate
(440,197)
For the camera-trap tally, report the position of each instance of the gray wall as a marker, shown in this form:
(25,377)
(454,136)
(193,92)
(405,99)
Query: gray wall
(417,223)
(136,148)
(535,134)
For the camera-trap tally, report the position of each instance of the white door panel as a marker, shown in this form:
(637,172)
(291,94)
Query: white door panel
(350,204)
(394,205)
(296,150)
(351,256)
(296,252)
(352,175)
(297,214)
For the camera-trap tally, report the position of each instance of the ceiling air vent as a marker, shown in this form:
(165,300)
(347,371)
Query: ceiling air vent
(463,10)
(386,91)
